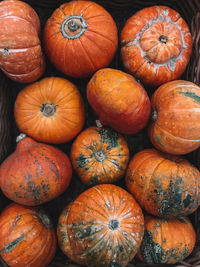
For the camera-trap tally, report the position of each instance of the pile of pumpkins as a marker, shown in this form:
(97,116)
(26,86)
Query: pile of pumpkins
(106,225)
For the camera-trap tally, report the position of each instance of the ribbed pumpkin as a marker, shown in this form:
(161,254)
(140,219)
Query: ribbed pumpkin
(120,102)
(164,185)
(99,155)
(21,57)
(175,126)
(102,227)
(34,173)
(166,241)
(156,45)
(50,110)
(27,237)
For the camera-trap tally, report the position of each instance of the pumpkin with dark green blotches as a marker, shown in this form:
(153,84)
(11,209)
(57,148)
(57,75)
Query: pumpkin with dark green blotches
(99,155)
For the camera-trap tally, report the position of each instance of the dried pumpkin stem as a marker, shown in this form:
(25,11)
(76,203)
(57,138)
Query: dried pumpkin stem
(154,115)
(163,39)
(48,110)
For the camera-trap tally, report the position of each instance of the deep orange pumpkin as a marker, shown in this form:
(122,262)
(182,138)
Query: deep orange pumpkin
(34,173)
(80,37)
(27,237)
(21,57)
(156,45)
(102,227)
(51,110)
(175,126)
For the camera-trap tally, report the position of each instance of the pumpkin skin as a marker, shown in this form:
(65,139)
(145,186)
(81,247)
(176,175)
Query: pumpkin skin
(102,227)
(27,237)
(21,56)
(156,45)
(34,173)
(50,110)
(99,155)
(175,126)
(164,185)
(120,102)
(80,37)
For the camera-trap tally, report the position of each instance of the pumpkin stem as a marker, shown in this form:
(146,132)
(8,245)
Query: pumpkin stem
(45,219)
(73,25)
(154,115)
(20,137)
(48,110)
(163,39)
(113,224)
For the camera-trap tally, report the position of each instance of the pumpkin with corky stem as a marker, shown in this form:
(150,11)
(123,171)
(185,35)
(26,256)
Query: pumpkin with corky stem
(34,173)
(103,226)
(27,237)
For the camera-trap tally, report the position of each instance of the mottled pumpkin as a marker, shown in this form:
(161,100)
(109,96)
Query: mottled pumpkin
(27,237)
(102,227)
(164,185)
(50,110)
(120,102)
(175,125)
(156,45)
(166,241)
(34,173)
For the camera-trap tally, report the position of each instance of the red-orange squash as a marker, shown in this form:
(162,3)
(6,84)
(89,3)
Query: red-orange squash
(50,110)
(21,57)
(175,126)
(164,185)
(120,102)
(34,173)
(80,37)
(102,227)
(99,155)
(27,237)
(156,45)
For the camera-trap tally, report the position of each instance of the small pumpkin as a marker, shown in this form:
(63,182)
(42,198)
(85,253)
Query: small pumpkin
(80,37)
(34,173)
(175,126)
(50,110)
(166,241)
(102,227)
(99,155)
(164,185)
(27,237)
(21,56)
(156,45)
(119,101)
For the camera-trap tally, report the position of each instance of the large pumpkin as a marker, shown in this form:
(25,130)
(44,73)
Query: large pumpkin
(50,111)
(34,173)
(120,102)
(164,185)
(80,37)
(21,57)
(102,227)
(156,45)
(27,237)
(175,126)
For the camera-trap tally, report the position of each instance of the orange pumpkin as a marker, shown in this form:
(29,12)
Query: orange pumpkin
(164,185)
(51,110)
(120,102)
(27,237)
(156,45)
(99,155)
(80,37)
(175,126)
(102,227)
(21,57)
(34,173)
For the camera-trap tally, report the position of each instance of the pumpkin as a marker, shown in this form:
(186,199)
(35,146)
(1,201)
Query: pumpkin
(156,45)
(21,57)
(102,227)
(80,37)
(119,101)
(27,237)
(50,110)
(164,185)
(175,126)
(34,173)
(99,155)
(166,241)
